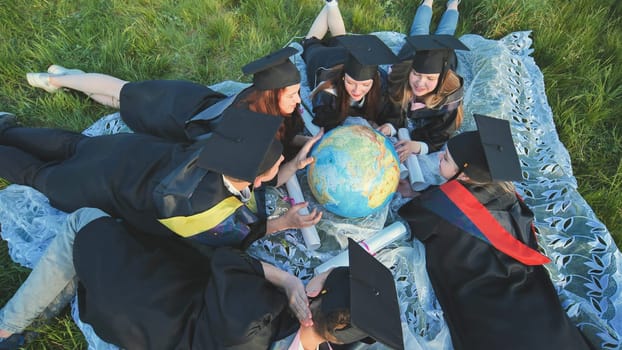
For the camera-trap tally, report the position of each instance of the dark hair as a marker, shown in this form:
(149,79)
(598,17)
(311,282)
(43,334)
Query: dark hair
(401,94)
(325,324)
(334,78)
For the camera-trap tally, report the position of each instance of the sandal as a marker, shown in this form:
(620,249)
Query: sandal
(41,80)
(60,70)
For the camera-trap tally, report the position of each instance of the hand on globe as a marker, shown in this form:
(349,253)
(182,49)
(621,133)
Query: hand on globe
(301,158)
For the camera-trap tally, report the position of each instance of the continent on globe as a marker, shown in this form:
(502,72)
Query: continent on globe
(355,172)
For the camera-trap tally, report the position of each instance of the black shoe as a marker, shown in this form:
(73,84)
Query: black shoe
(7,120)
(15,341)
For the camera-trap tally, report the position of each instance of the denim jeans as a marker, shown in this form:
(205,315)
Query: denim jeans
(52,283)
(423,18)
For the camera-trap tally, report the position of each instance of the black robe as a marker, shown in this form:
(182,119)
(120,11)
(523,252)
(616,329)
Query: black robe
(151,182)
(490,300)
(139,295)
(172,109)
(432,126)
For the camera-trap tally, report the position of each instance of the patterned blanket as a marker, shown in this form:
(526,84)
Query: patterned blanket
(501,80)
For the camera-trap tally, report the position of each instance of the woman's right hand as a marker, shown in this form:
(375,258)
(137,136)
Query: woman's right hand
(385,129)
(405,148)
(293,288)
(297,298)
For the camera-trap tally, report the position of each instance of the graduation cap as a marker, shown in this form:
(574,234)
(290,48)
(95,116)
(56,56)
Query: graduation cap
(488,154)
(366,52)
(434,54)
(367,289)
(243,145)
(274,71)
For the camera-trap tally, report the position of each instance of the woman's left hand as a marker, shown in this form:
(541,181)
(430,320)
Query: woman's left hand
(301,158)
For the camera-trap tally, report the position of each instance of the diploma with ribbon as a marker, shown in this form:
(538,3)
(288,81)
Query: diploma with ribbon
(372,244)
(312,239)
(415,176)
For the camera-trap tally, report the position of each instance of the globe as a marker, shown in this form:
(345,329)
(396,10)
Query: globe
(355,172)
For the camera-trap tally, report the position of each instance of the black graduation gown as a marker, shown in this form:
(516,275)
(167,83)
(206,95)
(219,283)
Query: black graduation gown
(432,126)
(183,111)
(152,183)
(162,107)
(326,111)
(490,300)
(320,55)
(138,295)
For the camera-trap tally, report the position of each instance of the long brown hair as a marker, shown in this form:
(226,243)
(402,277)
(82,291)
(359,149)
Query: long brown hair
(401,94)
(267,102)
(334,79)
(264,101)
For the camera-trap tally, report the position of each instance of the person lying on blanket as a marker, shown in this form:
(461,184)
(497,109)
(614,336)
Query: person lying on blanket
(343,70)
(228,301)
(424,94)
(199,192)
(481,250)
(184,111)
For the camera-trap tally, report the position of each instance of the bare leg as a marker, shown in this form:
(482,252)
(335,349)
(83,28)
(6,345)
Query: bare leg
(104,89)
(335,20)
(319,28)
(328,20)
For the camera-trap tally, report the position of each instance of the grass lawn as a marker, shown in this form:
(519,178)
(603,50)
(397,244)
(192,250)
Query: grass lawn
(578,46)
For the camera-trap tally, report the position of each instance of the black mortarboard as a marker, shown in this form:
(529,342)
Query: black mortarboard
(243,145)
(434,53)
(367,289)
(488,154)
(366,52)
(274,71)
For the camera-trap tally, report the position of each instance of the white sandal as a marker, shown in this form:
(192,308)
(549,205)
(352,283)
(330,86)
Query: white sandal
(60,70)
(42,80)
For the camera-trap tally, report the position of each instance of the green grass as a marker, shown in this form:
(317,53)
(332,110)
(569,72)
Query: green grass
(578,46)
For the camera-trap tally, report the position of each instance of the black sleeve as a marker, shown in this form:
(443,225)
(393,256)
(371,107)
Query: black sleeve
(390,113)
(325,111)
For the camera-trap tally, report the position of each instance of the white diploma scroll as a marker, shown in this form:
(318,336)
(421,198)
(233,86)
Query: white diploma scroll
(415,175)
(312,240)
(372,244)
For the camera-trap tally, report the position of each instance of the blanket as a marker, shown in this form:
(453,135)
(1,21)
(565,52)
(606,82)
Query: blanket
(501,80)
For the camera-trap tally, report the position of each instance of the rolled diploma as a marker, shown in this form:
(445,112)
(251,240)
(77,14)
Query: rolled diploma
(312,240)
(412,163)
(372,244)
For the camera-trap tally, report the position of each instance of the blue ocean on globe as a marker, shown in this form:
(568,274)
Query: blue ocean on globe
(355,172)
